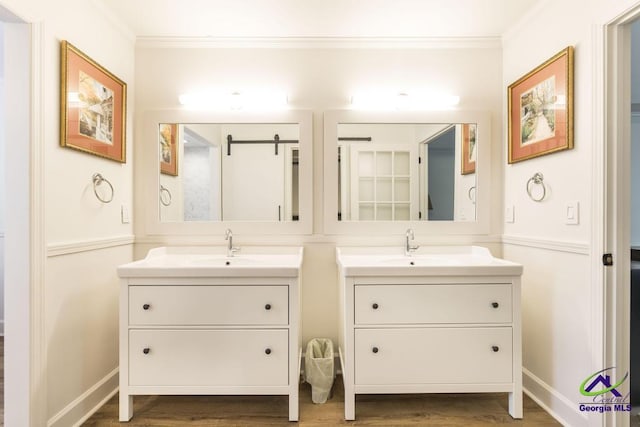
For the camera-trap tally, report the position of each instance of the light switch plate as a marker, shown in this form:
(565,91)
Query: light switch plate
(509,214)
(572,213)
(124,214)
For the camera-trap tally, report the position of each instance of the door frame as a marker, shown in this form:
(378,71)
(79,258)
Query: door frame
(611,204)
(25,344)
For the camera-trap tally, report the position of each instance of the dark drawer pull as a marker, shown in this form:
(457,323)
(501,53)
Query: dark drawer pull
(375,349)
(495,305)
(495,348)
(146,307)
(268,351)
(267,307)
(146,350)
(375,306)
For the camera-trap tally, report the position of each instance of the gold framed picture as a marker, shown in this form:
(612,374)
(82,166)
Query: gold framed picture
(92,106)
(540,108)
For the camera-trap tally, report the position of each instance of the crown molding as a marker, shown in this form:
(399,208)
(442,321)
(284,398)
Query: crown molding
(146,42)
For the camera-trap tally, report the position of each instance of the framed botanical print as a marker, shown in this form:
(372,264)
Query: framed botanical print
(92,106)
(540,108)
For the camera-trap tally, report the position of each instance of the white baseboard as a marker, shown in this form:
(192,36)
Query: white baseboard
(78,411)
(557,405)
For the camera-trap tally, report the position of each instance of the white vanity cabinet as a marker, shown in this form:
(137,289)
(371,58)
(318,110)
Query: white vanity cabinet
(421,324)
(197,325)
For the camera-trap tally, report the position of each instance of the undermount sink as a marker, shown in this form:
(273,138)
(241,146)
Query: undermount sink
(428,260)
(212,261)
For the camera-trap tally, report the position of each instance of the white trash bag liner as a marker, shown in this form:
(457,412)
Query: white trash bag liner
(318,368)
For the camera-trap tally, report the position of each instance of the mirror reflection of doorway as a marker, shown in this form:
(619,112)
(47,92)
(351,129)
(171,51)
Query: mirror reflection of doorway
(441,178)
(253,184)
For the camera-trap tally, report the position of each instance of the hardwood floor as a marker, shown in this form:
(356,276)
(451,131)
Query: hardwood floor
(371,410)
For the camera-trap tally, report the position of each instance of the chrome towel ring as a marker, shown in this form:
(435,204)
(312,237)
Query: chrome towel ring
(536,179)
(165,196)
(472,194)
(98,179)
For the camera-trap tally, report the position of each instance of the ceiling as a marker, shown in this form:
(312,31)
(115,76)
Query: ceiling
(319,18)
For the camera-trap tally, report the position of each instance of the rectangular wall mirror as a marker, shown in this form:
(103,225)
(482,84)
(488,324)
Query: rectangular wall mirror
(214,170)
(392,170)
(406,171)
(229,172)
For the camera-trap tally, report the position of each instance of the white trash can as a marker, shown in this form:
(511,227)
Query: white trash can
(318,368)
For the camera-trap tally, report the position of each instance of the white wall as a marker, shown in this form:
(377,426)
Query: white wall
(557,300)
(85,239)
(322,79)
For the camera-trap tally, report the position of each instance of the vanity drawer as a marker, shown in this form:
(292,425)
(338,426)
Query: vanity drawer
(420,304)
(208,305)
(433,356)
(208,357)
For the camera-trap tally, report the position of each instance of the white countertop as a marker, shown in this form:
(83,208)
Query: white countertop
(212,261)
(426,261)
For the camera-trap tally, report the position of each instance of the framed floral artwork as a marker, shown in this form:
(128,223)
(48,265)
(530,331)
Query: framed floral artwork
(92,106)
(168,133)
(469,148)
(540,109)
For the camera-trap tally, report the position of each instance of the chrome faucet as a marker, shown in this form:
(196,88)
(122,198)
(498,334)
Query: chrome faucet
(408,248)
(228,235)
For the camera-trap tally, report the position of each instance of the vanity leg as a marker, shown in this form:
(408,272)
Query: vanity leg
(349,404)
(515,404)
(293,405)
(126,407)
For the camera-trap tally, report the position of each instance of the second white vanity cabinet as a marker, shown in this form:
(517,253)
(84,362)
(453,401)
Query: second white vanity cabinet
(425,324)
(196,323)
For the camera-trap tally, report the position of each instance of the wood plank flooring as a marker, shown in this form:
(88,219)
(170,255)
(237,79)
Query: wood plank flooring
(371,410)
